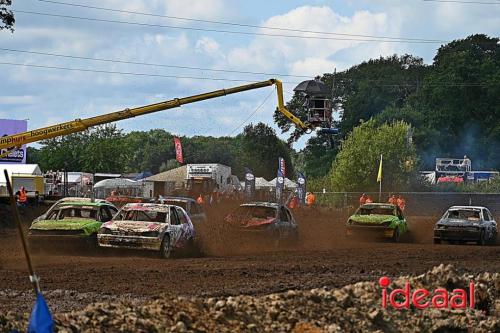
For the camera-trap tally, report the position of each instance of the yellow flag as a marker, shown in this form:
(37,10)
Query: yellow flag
(379,176)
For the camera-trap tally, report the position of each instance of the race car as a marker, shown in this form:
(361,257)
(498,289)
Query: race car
(264,220)
(466,224)
(194,210)
(75,220)
(377,220)
(146,226)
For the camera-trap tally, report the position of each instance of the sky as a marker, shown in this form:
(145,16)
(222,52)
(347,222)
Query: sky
(49,96)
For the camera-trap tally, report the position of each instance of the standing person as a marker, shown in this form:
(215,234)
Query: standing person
(393,200)
(369,199)
(362,199)
(310,199)
(200,200)
(22,197)
(293,203)
(401,202)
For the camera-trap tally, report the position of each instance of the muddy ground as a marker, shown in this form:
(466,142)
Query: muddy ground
(324,258)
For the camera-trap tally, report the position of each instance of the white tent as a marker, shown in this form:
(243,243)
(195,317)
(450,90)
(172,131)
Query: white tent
(18,169)
(117,182)
(261,183)
(288,183)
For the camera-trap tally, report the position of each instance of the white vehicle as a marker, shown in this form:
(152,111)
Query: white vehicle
(204,178)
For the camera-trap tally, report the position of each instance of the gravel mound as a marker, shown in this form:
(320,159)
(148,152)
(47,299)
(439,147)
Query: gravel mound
(352,308)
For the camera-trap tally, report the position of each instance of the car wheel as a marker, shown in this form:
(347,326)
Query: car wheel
(437,241)
(165,248)
(396,235)
(481,240)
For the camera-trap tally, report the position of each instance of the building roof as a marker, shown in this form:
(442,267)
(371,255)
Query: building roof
(175,175)
(23,169)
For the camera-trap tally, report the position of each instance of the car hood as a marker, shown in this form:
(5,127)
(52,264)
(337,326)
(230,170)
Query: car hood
(135,226)
(458,223)
(373,219)
(249,222)
(87,226)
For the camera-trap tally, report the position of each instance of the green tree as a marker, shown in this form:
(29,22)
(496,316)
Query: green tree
(356,165)
(261,148)
(6,16)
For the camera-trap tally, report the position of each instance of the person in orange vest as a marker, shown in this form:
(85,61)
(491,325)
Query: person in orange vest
(362,199)
(293,203)
(393,200)
(22,197)
(200,200)
(401,202)
(369,199)
(310,199)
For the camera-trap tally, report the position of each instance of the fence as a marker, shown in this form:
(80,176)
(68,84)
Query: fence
(417,203)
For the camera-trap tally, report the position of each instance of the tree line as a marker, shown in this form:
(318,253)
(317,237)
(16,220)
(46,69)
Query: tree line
(108,149)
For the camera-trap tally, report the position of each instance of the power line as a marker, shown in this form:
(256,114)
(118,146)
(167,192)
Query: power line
(460,1)
(246,33)
(240,24)
(251,114)
(130,73)
(149,64)
(444,84)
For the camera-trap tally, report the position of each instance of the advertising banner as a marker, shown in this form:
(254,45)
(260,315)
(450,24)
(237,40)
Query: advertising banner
(301,187)
(249,184)
(9,127)
(178,150)
(282,166)
(280,185)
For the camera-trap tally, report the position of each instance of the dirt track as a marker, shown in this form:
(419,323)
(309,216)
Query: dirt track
(325,258)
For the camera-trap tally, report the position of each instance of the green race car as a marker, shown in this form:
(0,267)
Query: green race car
(377,220)
(71,221)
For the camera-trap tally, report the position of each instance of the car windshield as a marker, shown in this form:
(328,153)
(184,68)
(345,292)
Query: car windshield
(255,212)
(464,214)
(375,211)
(142,216)
(71,213)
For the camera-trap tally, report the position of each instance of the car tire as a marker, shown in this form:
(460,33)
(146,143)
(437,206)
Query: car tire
(481,240)
(437,241)
(165,247)
(396,236)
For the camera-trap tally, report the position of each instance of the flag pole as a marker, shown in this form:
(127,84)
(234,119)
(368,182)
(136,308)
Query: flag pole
(380,185)
(15,214)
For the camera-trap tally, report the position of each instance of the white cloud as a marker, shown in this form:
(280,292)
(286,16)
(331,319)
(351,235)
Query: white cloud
(207,45)
(14,100)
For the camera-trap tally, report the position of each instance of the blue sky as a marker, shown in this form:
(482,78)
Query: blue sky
(47,96)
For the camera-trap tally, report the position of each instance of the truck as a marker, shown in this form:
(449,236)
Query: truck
(205,178)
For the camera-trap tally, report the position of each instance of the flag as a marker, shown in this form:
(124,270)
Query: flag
(379,176)
(301,187)
(282,166)
(249,184)
(178,150)
(41,319)
(280,184)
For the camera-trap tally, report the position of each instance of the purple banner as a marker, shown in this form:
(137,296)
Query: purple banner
(9,127)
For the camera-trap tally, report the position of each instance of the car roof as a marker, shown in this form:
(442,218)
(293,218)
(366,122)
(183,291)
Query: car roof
(260,204)
(378,204)
(69,201)
(148,207)
(467,207)
(181,199)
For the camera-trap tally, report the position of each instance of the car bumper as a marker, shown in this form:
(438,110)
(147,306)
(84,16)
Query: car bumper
(370,231)
(130,242)
(457,234)
(55,240)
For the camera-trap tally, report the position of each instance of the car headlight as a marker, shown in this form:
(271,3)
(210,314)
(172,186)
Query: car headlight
(105,231)
(150,234)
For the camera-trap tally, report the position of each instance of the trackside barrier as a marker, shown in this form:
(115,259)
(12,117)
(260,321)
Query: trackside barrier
(417,203)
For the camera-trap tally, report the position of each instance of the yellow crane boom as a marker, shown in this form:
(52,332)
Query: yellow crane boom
(16,140)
